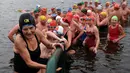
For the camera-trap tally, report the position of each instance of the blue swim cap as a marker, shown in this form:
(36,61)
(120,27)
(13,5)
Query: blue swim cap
(58,9)
(53,15)
(70,9)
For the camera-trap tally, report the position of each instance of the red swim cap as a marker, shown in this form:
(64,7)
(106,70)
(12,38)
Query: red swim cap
(116,6)
(76,16)
(44,9)
(53,23)
(52,9)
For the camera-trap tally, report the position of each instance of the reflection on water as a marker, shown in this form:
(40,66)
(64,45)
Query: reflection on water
(102,63)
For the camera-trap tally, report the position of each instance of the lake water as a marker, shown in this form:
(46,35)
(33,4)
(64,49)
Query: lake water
(104,63)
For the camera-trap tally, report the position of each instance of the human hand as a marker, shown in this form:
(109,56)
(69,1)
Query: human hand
(95,50)
(74,41)
(57,44)
(62,40)
(115,40)
(83,43)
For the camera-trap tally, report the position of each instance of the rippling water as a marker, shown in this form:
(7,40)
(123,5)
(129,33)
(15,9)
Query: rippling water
(104,63)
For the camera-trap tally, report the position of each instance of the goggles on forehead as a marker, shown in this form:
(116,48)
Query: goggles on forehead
(52,27)
(28,25)
(82,19)
(88,19)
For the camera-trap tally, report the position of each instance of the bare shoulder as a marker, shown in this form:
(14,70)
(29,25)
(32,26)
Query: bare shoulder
(120,26)
(19,41)
(18,38)
(39,34)
(95,28)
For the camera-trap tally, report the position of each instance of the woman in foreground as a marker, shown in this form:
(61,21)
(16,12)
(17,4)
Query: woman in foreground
(26,46)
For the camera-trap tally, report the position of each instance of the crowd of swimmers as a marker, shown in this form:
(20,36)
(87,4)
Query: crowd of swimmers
(38,32)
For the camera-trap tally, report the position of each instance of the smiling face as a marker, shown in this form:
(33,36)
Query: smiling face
(113,22)
(28,31)
(89,22)
(83,21)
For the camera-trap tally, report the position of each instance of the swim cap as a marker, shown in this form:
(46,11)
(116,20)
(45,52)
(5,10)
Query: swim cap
(38,6)
(107,3)
(97,1)
(84,11)
(64,21)
(44,9)
(104,14)
(64,12)
(26,19)
(70,9)
(53,15)
(36,10)
(75,5)
(79,4)
(82,3)
(116,6)
(49,20)
(58,9)
(99,7)
(42,18)
(59,30)
(52,9)
(114,18)
(89,11)
(53,23)
(69,16)
(76,16)
(58,17)
(86,2)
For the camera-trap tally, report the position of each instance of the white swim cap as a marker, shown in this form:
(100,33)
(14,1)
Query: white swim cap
(59,30)
(63,22)
(58,17)
(99,7)
(89,11)
(38,6)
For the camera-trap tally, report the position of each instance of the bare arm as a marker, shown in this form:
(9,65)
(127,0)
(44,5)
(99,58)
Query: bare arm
(51,34)
(22,50)
(12,32)
(76,25)
(97,37)
(46,42)
(80,34)
(69,34)
(103,22)
(122,33)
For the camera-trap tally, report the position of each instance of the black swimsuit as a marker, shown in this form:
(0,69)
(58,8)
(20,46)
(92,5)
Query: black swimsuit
(19,64)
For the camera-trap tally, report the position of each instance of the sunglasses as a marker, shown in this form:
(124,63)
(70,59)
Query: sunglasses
(82,19)
(51,27)
(88,19)
(114,20)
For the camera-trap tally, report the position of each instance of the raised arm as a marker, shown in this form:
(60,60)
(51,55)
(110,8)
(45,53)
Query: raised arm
(12,32)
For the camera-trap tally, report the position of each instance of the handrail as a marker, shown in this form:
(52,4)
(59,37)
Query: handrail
(52,63)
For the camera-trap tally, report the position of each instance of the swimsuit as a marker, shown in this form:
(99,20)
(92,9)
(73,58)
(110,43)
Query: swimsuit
(19,64)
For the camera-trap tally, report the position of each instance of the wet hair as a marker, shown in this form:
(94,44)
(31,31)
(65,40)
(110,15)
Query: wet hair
(25,19)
